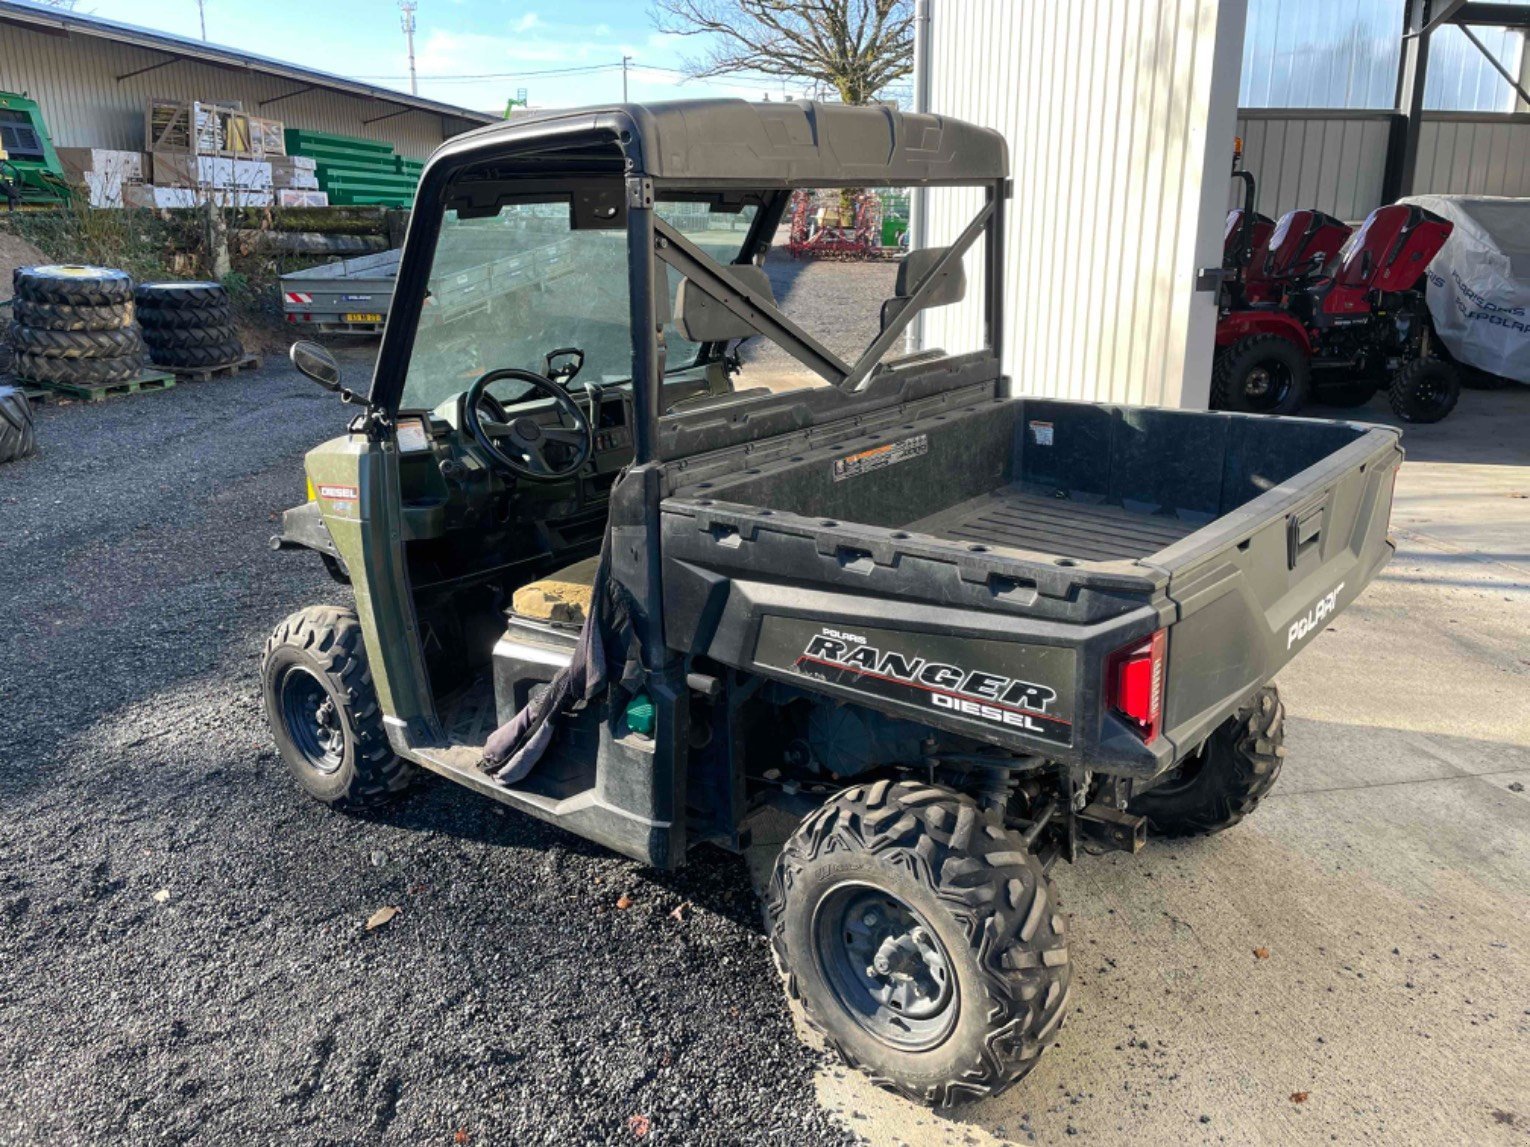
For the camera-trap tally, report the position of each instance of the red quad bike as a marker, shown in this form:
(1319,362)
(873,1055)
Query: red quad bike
(1290,329)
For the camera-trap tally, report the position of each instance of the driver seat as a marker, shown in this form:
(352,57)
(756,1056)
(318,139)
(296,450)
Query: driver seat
(562,597)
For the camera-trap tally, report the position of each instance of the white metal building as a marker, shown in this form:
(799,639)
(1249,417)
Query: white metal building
(1121,117)
(94,78)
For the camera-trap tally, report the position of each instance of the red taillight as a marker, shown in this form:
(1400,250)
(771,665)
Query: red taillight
(1134,685)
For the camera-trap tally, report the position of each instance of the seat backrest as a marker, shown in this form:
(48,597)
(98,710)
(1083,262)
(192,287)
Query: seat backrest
(911,272)
(1392,248)
(703,319)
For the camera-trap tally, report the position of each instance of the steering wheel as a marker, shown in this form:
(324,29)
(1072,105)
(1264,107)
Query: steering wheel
(521,449)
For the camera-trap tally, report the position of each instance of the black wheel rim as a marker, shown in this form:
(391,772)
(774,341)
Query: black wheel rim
(1266,385)
(1430,394)
(886,966)
(312,721)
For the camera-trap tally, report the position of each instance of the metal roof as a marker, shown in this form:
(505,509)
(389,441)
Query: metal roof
(59,22)
(797,144)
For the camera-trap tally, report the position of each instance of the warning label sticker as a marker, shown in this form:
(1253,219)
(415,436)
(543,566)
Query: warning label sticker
(1041,433)
(880,457)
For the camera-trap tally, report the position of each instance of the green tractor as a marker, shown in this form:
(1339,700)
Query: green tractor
(30,173)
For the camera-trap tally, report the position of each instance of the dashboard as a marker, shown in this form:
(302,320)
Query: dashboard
(447,482)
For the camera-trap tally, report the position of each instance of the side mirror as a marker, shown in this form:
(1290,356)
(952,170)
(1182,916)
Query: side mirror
(317,363)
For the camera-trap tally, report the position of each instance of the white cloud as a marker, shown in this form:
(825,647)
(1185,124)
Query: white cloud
(527,22)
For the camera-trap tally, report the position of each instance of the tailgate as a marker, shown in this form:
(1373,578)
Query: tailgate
(1252,589)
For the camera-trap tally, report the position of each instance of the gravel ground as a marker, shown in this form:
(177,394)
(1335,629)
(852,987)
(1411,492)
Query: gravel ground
(182,945)
(839,303)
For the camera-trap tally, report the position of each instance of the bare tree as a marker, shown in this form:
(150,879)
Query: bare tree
(856,47)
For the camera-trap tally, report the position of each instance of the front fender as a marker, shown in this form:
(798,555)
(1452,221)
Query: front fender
(1239,325)
(303,528)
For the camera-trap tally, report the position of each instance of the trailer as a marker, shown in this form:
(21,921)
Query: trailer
(348,296)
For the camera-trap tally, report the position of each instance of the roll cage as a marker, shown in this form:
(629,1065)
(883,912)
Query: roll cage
(615,164)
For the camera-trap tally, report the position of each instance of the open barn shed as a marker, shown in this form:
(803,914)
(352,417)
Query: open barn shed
(1121,118)
(94,78)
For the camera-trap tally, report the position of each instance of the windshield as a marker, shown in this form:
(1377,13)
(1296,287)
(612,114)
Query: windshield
(509,289)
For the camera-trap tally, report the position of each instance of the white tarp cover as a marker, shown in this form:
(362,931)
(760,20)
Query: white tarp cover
(1479,283)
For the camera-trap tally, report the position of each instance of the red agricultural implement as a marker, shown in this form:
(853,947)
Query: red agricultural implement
(836,225)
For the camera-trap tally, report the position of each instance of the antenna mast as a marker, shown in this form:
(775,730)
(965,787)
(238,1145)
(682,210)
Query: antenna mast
(407,7)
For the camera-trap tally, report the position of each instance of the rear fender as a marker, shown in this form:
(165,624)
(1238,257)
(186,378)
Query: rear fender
(1239,325)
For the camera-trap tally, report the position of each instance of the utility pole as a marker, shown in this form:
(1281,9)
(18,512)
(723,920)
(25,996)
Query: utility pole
(625,61)
(202,15)
(407,7)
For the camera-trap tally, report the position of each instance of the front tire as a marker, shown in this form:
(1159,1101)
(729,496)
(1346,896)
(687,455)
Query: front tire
(1425,390)
(1262,374)
(1226,780)
(324,712)
(922,940)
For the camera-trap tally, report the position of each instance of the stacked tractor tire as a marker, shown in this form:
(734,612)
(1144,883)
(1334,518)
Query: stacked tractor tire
(188,326)
(74,325)
(17,438)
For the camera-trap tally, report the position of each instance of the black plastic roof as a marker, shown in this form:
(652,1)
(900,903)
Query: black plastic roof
(801,144)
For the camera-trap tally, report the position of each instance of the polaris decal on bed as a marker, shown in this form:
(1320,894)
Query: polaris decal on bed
(1313,619)
(880,457)
(1019,689)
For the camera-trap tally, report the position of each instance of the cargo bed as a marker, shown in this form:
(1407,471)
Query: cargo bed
(1032,538)
(1039,521)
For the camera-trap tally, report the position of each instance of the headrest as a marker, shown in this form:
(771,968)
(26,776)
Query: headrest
(916,265)
(702,319)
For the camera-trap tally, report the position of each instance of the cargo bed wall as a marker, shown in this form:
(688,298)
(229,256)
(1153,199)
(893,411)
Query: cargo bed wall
(889,477)
(1077,481)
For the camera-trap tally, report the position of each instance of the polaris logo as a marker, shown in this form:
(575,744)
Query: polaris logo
(1313,619)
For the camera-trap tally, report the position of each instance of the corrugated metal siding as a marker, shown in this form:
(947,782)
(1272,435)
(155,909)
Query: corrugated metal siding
(74,79)
(1303,159)
(1474,156)
(1334,161)
(1112,110)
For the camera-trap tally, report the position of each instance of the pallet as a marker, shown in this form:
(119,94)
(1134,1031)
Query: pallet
(204,373)
(148,382)
(36,395)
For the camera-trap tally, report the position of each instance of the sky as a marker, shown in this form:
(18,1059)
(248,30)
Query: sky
(456,41)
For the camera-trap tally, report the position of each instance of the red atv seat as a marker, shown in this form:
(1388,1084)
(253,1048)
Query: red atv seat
(1302,244)
(1389,253)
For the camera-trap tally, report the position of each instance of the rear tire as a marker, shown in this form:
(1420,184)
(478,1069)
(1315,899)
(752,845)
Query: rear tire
(922,939)
(17,436)
(1226,780)
(75,344)
(1262,374)
(198,357)
(173,339)
(172,296)
(1425,390)
(73,284)
(324,711)
(64,317)
(78,371)
(153,318)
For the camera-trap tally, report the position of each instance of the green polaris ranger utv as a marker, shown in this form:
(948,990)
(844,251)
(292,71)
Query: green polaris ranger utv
(614,573)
